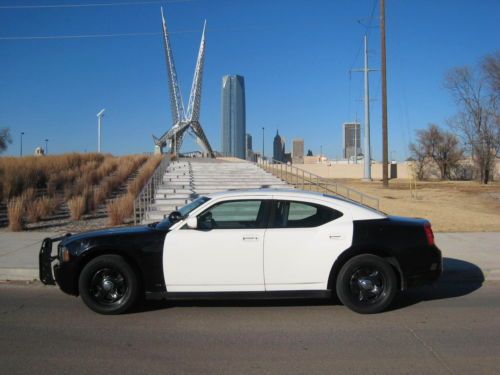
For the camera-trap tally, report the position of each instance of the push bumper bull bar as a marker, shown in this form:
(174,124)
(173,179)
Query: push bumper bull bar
(45,259)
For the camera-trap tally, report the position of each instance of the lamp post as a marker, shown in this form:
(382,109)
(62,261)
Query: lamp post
(262,143)
(46,146)
(21,150)
(100,115)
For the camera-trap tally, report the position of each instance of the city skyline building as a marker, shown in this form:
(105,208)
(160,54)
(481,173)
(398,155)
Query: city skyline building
(248,146)
(351,140)
(233,119)
(298,151)
(279,147)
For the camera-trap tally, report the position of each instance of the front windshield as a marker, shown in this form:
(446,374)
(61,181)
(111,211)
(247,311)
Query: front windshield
(184,211)
(193,205)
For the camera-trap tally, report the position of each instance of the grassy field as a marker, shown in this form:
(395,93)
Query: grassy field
(451,206)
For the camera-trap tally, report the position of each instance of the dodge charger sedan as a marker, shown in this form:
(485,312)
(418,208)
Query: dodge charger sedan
(249,244)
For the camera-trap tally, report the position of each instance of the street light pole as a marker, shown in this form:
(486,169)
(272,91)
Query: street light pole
(100,115)
(46,146)
(21,151)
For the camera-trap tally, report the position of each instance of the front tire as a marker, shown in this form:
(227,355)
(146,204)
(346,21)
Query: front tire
(366,284)
(109,285)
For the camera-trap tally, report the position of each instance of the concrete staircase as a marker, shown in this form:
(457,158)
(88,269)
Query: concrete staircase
(187,179)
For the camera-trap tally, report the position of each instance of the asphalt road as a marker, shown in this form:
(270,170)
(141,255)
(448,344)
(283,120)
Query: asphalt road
(451,328)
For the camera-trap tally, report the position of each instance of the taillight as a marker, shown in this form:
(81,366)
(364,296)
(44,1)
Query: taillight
(428,234)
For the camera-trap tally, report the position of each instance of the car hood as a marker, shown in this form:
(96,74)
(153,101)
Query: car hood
(111,232)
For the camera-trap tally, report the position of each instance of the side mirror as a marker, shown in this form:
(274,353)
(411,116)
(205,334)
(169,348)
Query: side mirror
(192,222)
(174,217)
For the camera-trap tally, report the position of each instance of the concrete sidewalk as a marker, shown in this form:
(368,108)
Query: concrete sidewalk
(467,256)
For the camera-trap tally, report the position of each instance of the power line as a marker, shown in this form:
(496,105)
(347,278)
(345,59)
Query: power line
(78,36)
(88,36)
(90,4)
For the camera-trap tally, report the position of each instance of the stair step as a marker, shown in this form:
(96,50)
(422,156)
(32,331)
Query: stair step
(186,179)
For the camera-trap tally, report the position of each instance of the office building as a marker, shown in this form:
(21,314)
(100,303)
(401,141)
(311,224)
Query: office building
(351,140)
(248,144)
(233,126)
(298,151)
(279,148)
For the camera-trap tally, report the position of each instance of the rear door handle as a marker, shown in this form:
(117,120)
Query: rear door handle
(250,238)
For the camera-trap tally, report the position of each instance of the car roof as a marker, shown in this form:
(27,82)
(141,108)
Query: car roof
(276,192)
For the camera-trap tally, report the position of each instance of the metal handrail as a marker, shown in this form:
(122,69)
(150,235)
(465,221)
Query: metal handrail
(146,197)
(307,179)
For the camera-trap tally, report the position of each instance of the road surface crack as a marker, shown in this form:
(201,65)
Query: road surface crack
(430,349)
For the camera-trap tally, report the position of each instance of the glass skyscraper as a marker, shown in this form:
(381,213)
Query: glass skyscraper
(233,126)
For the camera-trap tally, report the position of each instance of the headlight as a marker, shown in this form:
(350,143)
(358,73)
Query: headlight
(63,254)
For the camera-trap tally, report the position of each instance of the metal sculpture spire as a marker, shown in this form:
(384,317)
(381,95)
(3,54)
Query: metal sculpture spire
(183,121)
(176,104)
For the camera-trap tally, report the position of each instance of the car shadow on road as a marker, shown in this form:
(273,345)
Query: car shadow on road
(153,305)
(459,278)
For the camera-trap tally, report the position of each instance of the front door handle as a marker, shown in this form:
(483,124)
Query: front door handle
(335,236)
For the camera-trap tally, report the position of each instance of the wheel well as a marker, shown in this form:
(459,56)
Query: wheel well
(346,255)
(97,253)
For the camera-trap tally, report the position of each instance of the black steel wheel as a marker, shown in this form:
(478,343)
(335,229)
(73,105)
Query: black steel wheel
(366,284)
(109,285)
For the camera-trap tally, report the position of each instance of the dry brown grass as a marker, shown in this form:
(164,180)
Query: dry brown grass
(120,209)
(47,206)
(77,206)
(145,173)
(127,166)
(15,212)
(51,172)
(451,206)
(40,208)
(86,180)
(94,186)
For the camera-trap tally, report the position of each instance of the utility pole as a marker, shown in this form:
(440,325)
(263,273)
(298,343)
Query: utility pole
(385,147)
(367,176)
(46,146)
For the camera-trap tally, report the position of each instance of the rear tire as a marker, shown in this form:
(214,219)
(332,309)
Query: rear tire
(109,285)
(366,284)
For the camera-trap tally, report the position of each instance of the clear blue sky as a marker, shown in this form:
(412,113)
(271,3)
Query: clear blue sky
(294,54)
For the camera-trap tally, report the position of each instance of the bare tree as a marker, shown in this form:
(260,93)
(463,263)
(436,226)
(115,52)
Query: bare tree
(491,68)
(439,146)
(419,158)
(5,139)
(477,120)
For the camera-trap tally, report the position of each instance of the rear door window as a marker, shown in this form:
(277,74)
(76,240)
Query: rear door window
(292,214)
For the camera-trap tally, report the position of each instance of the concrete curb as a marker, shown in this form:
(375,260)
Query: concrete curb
(18,274)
